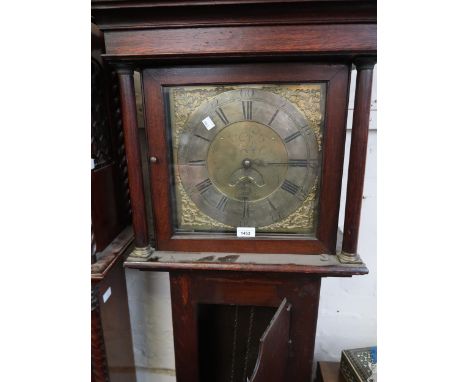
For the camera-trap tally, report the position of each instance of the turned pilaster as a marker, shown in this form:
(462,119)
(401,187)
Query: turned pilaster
(132,150)
(357,159)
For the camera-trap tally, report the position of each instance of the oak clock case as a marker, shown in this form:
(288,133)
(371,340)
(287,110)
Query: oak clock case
(246,153)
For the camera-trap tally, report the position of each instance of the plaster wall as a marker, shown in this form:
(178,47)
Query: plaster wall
(347,313)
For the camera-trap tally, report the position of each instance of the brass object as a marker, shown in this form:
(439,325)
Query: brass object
(300,221)
(349,258)
(142,252)
(258,165)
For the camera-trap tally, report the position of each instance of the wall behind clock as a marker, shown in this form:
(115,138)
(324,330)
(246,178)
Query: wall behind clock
(348,306)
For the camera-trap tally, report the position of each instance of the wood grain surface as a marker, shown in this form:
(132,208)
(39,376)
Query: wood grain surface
(357,155)
(132,149)
(251,40)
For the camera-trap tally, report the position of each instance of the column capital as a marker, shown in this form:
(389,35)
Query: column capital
(365,62)
(123,67)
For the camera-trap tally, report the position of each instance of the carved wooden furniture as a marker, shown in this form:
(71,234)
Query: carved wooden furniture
(239,62)
(111,342)
(111,339)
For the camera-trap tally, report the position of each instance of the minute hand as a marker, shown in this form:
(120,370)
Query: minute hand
(293,162)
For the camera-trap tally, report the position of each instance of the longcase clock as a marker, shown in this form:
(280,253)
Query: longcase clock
(245,108)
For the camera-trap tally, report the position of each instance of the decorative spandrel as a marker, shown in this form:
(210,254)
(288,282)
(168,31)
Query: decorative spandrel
(246,155)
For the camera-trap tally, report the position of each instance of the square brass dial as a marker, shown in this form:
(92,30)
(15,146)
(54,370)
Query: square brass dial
(246,155)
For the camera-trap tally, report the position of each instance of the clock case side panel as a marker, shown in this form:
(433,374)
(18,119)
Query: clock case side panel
(336,76)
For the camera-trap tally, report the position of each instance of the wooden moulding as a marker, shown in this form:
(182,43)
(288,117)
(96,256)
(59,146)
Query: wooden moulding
(317,265)
(111,254)
(113,15)
(242,41)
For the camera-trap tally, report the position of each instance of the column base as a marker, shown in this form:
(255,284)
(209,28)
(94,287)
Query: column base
(349,258)
(142,253)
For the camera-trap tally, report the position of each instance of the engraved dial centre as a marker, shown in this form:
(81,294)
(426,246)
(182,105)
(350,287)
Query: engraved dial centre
(236,159)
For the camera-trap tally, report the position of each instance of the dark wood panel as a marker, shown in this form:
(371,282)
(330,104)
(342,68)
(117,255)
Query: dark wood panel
(357,155)
(104,213)
(213,13)
(132,149)
(222,244)
(256,40)
(185,327)
(274,348)
(333,158)
(188,289)
(115,318)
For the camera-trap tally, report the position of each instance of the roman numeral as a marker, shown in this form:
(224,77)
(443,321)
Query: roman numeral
(298,162)
(292,136)
(271,204)
(275,213)
(290,187)
(306,130)
(222,116)
(222,203)
(247,93)
(197,163)
(245,212)
(202,137)
(204,186)
(314,163)
(274,116)
(247,110)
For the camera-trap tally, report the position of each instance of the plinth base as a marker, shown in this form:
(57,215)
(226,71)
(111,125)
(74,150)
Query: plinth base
(349,258)
(141,253)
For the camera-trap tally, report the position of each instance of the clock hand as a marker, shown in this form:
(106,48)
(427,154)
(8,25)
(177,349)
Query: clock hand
(259,162)
(296,163)
(250,175)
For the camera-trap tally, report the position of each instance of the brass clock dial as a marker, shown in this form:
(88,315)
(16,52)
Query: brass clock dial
(247,157)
